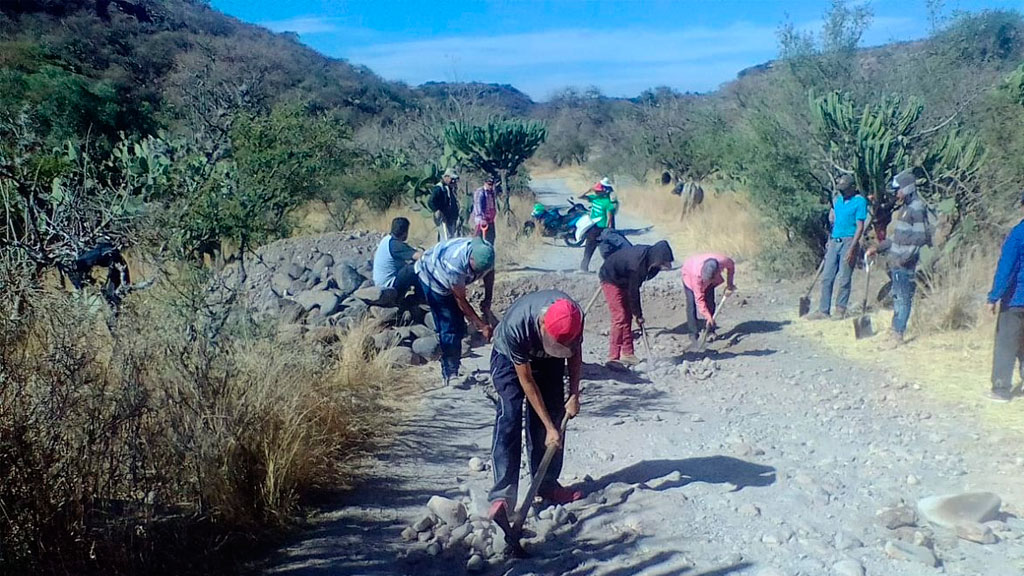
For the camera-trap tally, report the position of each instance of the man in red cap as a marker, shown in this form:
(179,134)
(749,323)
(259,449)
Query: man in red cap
(539,336)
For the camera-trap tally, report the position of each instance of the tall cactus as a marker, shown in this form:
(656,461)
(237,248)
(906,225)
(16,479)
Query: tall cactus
(498,148)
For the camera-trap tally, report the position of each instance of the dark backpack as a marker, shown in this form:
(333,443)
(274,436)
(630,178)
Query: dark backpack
(610,242)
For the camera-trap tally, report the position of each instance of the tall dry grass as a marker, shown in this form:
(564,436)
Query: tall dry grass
(173,440)
(952,298)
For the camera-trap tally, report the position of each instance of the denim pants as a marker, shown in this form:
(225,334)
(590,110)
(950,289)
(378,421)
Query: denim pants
(506,445)
(904,283)
(451,329)
(1009,348)
(691,308)
(836,268)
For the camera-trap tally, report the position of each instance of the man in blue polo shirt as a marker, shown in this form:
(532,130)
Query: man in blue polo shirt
(1007,298)
(849,211)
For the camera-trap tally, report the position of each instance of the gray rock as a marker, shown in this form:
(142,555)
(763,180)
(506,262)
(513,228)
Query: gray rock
(975,532)
(909,552)
(476,564)
(848,567)
(476,464)
(296,270)
(428,321)
(424,523)
(951,510)
(325,302)
(560,515)
(289,310)
(377,296)
(434,548)
(385,315)
(428,347)
(846,541)
(749,510)
(401,357)
(421,331)
(460,533)
(280,283)
(449,511)
(323,264)
(897,516)
(356,309)
(409,535)
(297,287)
(348,279)
(386,339)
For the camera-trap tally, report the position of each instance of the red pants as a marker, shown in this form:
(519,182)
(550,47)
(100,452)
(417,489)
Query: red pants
(621,335)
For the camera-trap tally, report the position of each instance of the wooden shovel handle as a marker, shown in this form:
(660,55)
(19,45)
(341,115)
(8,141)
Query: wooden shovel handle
(542,470)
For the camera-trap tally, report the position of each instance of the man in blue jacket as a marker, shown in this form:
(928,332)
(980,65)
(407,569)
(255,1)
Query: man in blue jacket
(1008,292)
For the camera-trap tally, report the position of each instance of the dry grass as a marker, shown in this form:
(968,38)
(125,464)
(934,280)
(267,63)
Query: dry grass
(171,441)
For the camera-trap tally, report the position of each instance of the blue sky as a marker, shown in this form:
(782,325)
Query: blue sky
(621,47)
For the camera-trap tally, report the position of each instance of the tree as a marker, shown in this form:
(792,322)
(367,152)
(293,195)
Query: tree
(498,148)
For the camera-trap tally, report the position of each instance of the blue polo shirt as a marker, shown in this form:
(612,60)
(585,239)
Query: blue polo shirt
(848,213)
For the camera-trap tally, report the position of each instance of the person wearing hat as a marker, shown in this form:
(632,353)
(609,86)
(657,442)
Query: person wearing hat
(701,275)
(1007,298)
(911,232)
(621,276)
(603,207)
(540,337)
(444,271)
(485,210)
(444,203)
(848,214)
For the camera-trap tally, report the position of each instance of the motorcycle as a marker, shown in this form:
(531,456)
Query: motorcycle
(554,223)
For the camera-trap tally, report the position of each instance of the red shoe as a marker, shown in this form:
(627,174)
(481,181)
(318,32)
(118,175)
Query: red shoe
(499,510)
(561,495)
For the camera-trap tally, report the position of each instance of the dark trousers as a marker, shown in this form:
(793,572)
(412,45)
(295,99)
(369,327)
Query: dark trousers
(405,279)
(488,278)
(591,241)
(691,308)
(451,329)
(837,267)
(1009,348)
(904,284)
(506,445)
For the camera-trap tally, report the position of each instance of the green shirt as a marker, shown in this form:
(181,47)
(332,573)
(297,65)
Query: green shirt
(601,209)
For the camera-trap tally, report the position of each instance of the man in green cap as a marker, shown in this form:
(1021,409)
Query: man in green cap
(444,271)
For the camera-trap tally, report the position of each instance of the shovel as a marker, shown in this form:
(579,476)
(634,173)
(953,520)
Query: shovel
(707,330)
(805,300)
(514,530)
(592,300)
(862,326)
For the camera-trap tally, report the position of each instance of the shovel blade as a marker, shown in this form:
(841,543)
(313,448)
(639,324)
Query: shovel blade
(862,327)
(805,305)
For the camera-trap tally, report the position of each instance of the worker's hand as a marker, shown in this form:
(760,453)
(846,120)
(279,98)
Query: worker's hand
(730,290)
(992,308)
(487,331)
(851,256)
(710,324)
(572,407)
(553,438)
(640,321)
(870,253)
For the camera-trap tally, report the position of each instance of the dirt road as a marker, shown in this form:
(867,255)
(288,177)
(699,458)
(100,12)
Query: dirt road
(770,458)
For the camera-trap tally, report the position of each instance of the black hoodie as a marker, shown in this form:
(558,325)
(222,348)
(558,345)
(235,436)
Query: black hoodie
(630,267)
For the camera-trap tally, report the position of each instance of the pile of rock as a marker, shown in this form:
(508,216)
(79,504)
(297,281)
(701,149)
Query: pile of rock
(698,370)
(447,528)
(317,284)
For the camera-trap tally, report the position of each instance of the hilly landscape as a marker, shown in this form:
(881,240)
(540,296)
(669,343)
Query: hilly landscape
(186,194)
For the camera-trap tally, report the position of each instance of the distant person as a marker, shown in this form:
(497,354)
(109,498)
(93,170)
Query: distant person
(393,263)
(1007,296)
(540,335)
(848,214)
(603,208)
(485,210)
(444,271)
(621,276)
(444,203)
(911,232)
(701,275)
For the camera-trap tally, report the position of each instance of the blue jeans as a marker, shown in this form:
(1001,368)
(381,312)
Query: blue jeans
(507,444)
(904,284)
(451,329)
(836,267)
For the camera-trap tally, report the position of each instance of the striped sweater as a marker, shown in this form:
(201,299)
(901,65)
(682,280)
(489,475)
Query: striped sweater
(911,231)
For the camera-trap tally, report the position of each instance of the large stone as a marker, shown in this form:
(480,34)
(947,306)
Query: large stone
(909,552)
(377,296)
(401,357)
(289,310)
(897,516)
(848,567)
(280,283)
(296,270)
(325,302)
(323,264)
(428,321)
(450,512)
(421,331)
(386,339)
(385,315)
(348,280)
(975,532)
(476,564)
(429,348)
(951,510)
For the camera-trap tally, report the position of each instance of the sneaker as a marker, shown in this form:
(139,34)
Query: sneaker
(1001,396)
(561,495)
(615,364)
(816,315)
(629,360)
(840,314)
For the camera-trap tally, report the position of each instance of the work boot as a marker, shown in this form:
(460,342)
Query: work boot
(615,364)
(1001,396)
(840,314)
(816,315)
(629,360)
(561,495)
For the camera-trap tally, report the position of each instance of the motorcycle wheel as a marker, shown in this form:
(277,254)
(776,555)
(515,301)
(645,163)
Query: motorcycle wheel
(570,239)
(529,227)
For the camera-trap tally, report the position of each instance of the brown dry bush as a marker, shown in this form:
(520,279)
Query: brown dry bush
(173,440)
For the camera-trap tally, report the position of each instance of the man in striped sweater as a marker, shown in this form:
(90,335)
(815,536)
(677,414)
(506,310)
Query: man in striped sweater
(911,232)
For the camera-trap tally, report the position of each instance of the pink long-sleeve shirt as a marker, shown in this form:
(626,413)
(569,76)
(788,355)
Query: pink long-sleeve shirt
(693,281)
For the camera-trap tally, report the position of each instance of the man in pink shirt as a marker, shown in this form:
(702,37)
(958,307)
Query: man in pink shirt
(485,210)
(702,273)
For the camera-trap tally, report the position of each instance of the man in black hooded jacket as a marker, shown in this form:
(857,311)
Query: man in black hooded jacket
(621,276)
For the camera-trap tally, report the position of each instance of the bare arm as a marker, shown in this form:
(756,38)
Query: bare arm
(463,302)
(532,392)
(572,407)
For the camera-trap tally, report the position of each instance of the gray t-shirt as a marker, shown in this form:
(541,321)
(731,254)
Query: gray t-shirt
(517,336)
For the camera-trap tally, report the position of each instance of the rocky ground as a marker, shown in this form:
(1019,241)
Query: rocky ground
(762,456)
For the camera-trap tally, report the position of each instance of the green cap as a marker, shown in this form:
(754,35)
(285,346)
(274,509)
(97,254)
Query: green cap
(482,254)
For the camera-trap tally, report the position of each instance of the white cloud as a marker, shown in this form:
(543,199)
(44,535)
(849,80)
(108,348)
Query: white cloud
(303,25)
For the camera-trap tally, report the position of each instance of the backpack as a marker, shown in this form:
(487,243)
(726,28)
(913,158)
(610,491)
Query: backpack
(610,242)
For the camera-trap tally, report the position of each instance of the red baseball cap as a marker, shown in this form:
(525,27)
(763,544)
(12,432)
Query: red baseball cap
(563,328)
